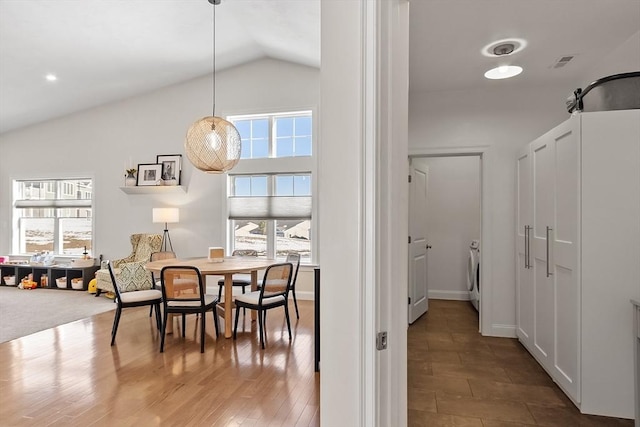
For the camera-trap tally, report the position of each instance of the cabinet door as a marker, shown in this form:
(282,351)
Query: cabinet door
(564,245)
(524,270)
(543,294)
(610,253)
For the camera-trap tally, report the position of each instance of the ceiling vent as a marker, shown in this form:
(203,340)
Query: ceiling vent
(562,61)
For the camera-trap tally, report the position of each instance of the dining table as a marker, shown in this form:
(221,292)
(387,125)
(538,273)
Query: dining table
(226,268)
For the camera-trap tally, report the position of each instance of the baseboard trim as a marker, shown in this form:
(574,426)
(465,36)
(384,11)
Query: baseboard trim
(304,296)
(449,295)
(503,331)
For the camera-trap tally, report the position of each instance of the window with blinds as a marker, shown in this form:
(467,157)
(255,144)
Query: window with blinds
(270,195)
(53,216)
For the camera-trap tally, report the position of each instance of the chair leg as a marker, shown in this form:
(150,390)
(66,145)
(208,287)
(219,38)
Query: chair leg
(244,309)
(219,292)
(260,321)
(286,316)
(150,310)
(295,302)
(116,321)
(235,327)
(202,332)
(164,329)
(158,321)
(184,324)
(215,320)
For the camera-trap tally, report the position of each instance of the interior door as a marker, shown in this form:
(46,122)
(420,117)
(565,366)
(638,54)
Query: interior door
(524,268)
(418,245)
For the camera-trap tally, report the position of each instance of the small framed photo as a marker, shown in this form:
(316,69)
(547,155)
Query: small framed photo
(149,173)
(171,166)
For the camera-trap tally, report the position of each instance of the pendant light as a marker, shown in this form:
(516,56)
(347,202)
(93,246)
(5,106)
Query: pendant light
(213,144)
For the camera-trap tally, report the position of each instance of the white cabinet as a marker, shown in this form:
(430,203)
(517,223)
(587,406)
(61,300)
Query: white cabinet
(578,252)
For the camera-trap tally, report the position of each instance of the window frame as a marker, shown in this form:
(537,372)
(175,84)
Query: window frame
(271,166)
(50,184)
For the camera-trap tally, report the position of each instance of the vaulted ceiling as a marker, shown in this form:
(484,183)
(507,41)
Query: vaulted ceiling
(106,50)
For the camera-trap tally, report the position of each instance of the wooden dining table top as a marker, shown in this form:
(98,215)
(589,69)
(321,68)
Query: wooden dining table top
(230,265)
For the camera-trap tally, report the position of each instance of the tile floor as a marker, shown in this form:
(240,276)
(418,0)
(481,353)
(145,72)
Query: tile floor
(457,377)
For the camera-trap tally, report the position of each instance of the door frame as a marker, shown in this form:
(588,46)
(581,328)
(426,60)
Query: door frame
(486,202)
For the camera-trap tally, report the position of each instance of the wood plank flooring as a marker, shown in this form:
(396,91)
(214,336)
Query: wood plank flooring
(71,376)
(457,377)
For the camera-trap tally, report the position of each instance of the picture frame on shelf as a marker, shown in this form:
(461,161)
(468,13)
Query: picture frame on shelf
(149,174)
(171,167)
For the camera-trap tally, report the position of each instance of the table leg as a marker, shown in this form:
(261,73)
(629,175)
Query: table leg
(228,304)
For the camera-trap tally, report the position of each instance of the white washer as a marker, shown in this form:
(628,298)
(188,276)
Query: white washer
(473,273)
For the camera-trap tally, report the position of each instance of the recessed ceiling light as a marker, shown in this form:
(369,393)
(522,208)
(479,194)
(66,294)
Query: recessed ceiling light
(503,72)
(51,77)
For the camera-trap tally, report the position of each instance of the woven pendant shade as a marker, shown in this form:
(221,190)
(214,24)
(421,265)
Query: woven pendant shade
(213,145)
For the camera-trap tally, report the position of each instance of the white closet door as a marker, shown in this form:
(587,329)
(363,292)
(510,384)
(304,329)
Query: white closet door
(564,256)
(543,295)
(610,258)
(524,269)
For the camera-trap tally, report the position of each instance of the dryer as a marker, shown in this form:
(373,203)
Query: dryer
(473,274)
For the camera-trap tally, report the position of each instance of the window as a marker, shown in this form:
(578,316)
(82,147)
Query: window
(53,216)
(275,135)
(270,192)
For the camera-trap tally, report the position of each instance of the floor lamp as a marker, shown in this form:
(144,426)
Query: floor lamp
(166,215)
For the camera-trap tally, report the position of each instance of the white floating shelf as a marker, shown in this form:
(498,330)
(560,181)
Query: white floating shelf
(155,189)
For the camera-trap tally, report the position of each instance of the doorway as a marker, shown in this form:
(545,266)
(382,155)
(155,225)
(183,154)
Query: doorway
(452,220)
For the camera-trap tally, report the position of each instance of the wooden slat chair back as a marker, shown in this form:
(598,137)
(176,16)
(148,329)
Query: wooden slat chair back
(273,293)
(179,296)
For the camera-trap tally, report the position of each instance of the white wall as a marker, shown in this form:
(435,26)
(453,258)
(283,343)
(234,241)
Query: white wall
(624,59)
(99,143)
(340,170)
(453,221)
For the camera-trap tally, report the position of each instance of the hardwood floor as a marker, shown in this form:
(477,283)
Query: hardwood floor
(457,377)
(71,376)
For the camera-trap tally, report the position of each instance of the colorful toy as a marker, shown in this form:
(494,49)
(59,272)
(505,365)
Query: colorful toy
(93,286)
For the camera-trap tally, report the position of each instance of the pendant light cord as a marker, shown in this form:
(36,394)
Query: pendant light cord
(213,113)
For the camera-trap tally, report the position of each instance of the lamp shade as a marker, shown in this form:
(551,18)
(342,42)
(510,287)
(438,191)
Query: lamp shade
(213,145)
(166,215)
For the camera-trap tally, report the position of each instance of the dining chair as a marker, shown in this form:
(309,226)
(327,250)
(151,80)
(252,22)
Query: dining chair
(176,301)
(157,256)
(294,258)
(273,293)
(126,298)
(181,287)
(241,279)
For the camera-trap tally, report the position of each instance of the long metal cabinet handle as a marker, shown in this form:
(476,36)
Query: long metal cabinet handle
(529,228)
(549,273)
(529,243)
(526,246)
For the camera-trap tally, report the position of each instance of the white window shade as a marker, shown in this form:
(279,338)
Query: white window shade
(270,207)
(59,203)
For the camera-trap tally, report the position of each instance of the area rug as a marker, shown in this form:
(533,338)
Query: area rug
(24,312)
